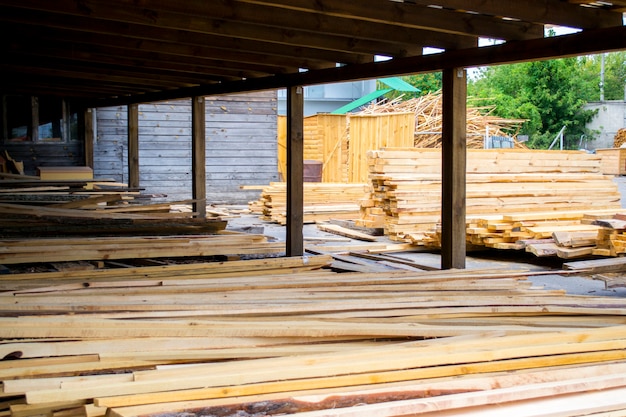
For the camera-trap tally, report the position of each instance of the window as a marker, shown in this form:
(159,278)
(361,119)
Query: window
(38,119)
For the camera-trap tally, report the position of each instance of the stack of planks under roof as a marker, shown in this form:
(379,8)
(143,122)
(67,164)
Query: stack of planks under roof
(512,195)
(30,206)
(283,337)
(322,201)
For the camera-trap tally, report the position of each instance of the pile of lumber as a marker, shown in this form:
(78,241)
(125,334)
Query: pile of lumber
(36,250)
(620,138)
(257,340)
(566,234)
(429,116)
(34,190)
(30,206)
(512,195)
(322,201)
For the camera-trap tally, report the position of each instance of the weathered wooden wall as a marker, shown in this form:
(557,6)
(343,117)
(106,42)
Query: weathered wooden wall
(34,155)
(241,146)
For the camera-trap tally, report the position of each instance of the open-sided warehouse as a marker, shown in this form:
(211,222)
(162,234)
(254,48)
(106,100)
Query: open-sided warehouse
(282,335)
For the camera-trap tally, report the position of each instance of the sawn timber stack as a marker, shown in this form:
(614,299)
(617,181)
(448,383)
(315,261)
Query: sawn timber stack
(541,185)
(200,339)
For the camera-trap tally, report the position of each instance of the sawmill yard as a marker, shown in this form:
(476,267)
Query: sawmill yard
(142,309)
(115,303)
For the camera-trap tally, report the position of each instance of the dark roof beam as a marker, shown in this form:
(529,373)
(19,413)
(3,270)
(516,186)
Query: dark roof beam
(538,11)
(416,17)
(136,32)
(97,9)
(587,42)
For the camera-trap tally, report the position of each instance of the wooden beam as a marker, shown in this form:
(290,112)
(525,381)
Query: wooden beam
(453,168)
(545,11)
(133,145)
(411,15)
(88,120)
(295,171)
(591,41)
(198,155)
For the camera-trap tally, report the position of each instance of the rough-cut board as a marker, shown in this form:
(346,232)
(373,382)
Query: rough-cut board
(65,173)
(344,231)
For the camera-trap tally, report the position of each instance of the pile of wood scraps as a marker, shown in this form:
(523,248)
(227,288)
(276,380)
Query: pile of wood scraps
(322,201)
(620,138)
(429,121)
(283,336)
(513,197)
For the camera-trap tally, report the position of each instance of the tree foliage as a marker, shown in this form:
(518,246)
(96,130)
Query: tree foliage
(550,94)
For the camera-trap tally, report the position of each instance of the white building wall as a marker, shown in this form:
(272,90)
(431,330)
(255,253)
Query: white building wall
(326,98)
(610,118)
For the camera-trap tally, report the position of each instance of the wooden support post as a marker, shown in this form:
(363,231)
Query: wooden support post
(454,152)
(133,145)
(295,171)
(88,116)
(198,155)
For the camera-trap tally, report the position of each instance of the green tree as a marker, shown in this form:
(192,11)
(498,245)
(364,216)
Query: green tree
(549,94)
(614,76)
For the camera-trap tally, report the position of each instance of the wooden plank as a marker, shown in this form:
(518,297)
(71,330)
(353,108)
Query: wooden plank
(460,384)
(54,173)
(598,265)
(569,253)
(542,249)
(343,231)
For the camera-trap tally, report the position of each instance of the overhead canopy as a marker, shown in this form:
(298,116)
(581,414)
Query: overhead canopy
(122,51)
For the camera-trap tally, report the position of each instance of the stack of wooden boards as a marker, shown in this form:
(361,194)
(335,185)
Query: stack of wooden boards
(281,336)
(512,195)
(51,250)
(30,206)
(322,201)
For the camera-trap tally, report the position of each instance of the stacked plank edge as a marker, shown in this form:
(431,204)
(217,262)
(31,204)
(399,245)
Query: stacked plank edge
(322,202)
(30,206)
(283,336)
(512,195)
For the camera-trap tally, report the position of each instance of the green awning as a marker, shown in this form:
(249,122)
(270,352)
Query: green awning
(361,101)
(398,84)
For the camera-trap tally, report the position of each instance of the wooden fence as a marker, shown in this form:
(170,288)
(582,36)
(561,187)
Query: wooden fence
(340,142)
